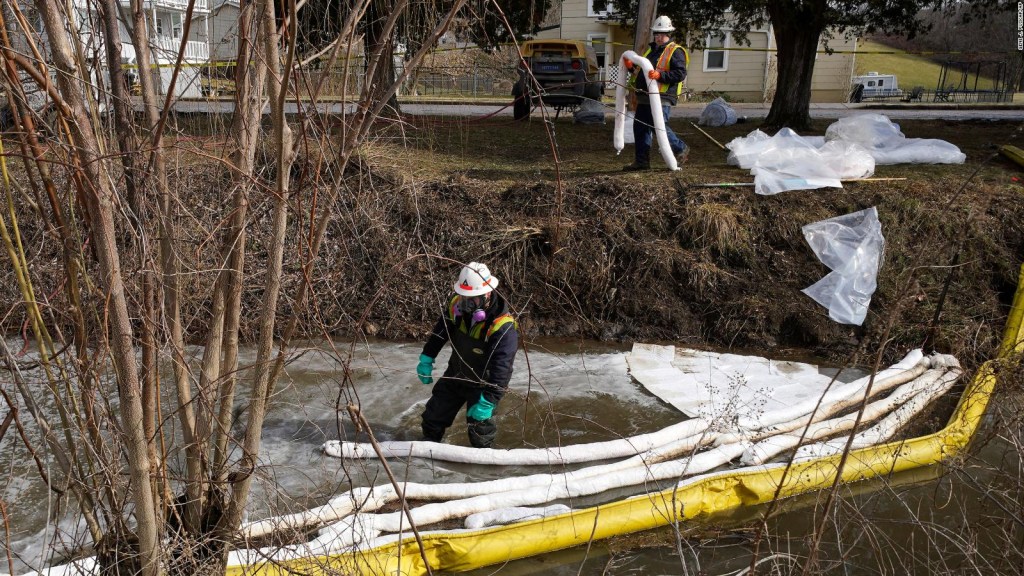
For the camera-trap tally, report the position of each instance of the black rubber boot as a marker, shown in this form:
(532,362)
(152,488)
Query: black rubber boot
(636,166)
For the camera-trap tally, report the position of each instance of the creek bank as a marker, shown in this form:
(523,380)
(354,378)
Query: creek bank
(606,256)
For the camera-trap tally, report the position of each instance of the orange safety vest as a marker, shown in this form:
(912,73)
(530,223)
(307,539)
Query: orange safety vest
(664,62)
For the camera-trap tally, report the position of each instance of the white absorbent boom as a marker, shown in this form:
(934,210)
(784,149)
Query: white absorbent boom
(618,138)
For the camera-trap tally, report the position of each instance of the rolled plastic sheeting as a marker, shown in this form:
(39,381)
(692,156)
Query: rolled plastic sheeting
(717,113)
(618,134)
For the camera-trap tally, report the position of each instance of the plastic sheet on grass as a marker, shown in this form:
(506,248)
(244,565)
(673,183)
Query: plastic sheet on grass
(850,149)
(887,144)
(788,161)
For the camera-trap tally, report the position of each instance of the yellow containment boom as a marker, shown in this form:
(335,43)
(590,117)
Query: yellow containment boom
(454,551)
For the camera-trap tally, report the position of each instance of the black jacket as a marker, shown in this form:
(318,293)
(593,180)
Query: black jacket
(675,74)
(482,353)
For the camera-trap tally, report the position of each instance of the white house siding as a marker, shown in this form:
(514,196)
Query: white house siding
(164,47)
(832,72)
(224,32)
(744,77)
(750,75)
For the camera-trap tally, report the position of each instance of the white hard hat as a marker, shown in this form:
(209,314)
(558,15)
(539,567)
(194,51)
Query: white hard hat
(474,280)
(662,24)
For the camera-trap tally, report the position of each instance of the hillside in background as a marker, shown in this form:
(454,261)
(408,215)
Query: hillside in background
(910,69)
(983,42)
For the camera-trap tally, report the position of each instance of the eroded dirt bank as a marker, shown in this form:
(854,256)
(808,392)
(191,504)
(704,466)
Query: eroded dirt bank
(591,253)
(620,259)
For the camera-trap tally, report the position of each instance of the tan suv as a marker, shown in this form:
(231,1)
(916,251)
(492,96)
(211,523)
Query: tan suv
(559,73)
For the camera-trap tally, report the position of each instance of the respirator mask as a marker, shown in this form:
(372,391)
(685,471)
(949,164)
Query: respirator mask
(473,306)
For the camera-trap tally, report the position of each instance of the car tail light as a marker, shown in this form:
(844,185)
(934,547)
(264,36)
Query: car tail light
(576,65)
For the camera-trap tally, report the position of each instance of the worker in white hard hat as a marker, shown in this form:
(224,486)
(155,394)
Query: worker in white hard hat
(669,61)
(484,339)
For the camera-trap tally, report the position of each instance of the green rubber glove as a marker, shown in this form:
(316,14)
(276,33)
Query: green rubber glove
(425,368)
(481,411)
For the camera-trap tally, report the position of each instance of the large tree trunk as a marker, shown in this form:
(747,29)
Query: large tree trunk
(797,32)
(646,10)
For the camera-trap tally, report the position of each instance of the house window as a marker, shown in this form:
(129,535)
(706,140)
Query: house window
(598,8)
(716,58)
(176,26)
(160,26)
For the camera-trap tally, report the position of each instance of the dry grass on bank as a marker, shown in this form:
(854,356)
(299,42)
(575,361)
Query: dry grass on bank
(584,250)
(724,264)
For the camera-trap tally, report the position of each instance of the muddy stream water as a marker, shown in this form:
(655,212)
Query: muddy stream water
(562,393)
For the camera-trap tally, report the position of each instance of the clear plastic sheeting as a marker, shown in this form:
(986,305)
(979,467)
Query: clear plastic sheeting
(850,149)
(745,151)
(887,144)
(717,113)
(852,246)
(788,161)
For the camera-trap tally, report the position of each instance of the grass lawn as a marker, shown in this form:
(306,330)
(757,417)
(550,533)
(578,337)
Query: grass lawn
(910,69)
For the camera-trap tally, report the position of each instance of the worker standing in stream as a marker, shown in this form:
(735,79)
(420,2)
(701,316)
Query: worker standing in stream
(484,339)
(669,61)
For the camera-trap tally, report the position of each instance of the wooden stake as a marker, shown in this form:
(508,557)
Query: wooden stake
(717,143)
